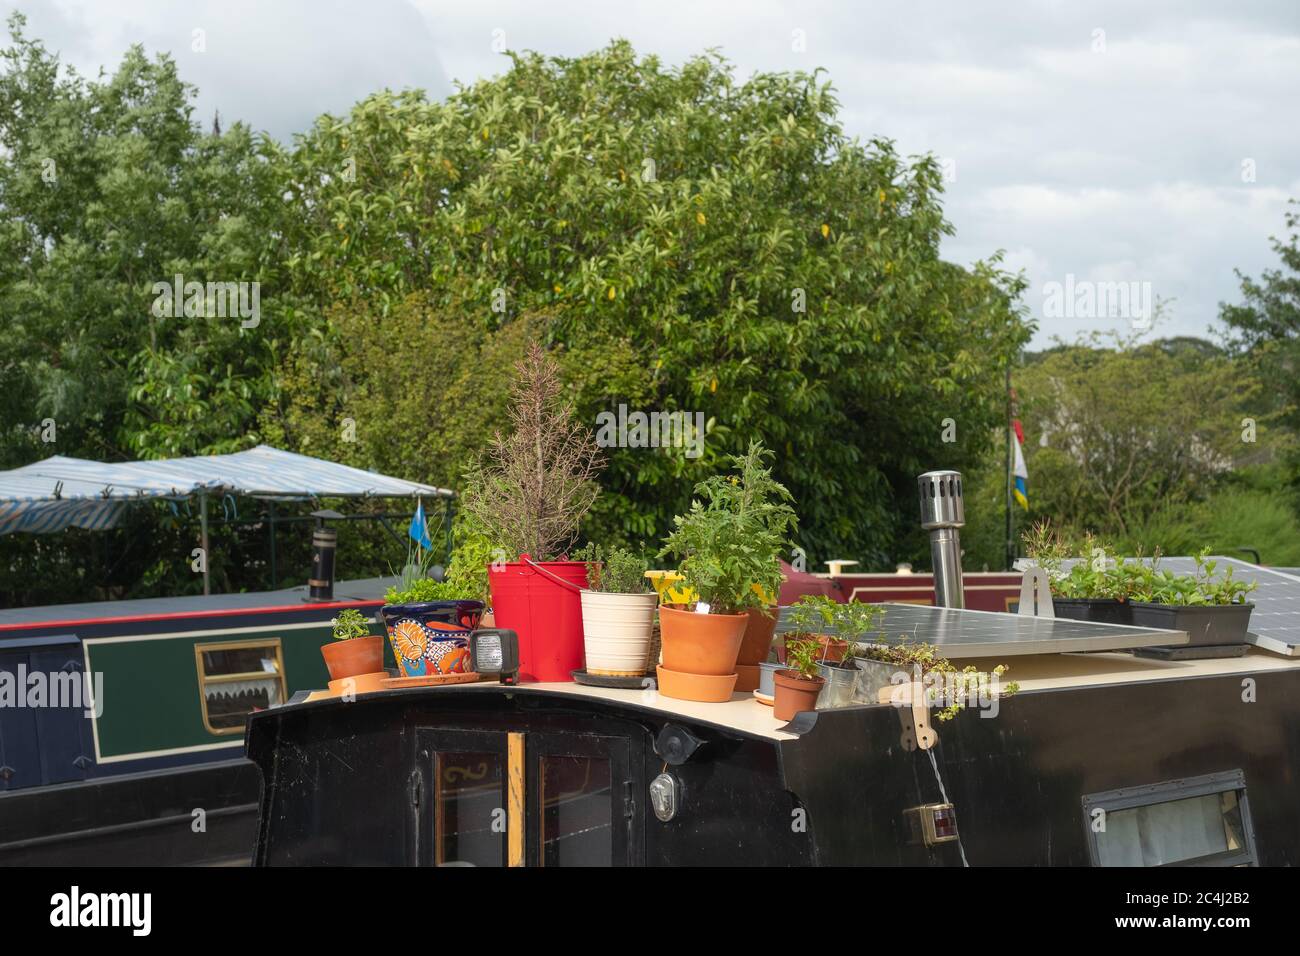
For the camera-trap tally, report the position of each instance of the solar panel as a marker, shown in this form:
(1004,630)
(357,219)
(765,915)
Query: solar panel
(965,633)
(1275,622)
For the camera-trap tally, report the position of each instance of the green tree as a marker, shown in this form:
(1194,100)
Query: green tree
(700,245)
(1265,329)
(108,186)
(1116,428)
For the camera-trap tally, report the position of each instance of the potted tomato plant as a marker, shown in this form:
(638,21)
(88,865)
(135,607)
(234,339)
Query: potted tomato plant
(813,618)
(853,622)
(729,544)
(799,684)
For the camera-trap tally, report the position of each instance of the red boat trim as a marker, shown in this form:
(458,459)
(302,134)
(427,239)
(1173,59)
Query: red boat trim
(182,615)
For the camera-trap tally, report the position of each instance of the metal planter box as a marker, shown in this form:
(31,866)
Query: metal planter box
(1204,624)
(873,676)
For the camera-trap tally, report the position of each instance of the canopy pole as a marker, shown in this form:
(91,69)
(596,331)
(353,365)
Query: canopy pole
(449,515)
(203,540)
(270,510)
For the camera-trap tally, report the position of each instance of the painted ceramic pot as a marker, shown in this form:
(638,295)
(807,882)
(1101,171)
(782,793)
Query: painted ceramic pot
(433,637)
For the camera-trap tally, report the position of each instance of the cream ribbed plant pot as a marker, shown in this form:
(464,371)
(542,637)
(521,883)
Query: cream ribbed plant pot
(616,632)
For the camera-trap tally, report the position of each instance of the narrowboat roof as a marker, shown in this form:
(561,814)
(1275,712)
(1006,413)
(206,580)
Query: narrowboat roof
(345,593)
(742,713)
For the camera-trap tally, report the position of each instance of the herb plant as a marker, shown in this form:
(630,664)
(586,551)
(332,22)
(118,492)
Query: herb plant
(947,685)
(349,624)
(616,571)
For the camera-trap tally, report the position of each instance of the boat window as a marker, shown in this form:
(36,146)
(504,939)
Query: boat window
(577,807)
(237,678)
(468,828)
(1198,821)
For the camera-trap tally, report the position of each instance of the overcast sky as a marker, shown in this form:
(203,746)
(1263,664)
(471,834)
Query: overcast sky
(1142,142)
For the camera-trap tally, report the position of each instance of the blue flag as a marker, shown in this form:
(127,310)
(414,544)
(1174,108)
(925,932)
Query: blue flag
(419,529)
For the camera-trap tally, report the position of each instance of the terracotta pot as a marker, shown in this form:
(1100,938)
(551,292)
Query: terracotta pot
(351,658)
(701,643)
(706,688)
(757,642)
(616,632)
(747,677)
(795,694)
(834,653)
(360,684)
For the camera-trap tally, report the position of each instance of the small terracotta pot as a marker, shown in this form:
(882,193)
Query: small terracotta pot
(794,694)
(706,688)
(351,658)
(701,643)
(757,642)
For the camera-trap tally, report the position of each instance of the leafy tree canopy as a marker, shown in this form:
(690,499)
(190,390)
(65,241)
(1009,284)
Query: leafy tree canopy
(699,244)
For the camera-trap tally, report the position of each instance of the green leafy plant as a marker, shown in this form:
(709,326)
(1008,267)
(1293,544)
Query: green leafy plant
(423,590)
(349,624)
(801,658)
(1224,591)
(812,614)
(614,571)
(854,620)
(1200,589)
(731,539)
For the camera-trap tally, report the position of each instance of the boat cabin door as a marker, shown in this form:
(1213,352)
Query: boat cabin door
(528,798)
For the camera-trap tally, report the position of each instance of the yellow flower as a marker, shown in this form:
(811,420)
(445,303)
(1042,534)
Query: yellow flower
(699,217)
(485,132)
(558,290)
(713,385)
(826,230)
(882,197)
(611,294)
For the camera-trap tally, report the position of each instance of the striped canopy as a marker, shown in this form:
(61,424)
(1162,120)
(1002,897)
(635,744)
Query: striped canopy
(62,492)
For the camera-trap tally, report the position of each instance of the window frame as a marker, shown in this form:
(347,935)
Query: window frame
(1129,798)
(205,679)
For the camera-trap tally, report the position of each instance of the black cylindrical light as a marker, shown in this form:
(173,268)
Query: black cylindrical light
(324,544)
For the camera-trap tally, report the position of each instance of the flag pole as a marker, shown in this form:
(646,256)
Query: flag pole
(1010,542)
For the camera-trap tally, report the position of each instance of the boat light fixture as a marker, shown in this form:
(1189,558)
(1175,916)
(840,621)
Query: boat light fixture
(495,650)
(933,823)
(665,796)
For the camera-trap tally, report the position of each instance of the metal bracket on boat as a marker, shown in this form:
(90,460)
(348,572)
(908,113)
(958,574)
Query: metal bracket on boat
(1036,594)
(913,712)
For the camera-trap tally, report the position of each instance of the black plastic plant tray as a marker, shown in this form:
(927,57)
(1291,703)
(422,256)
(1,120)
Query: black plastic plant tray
(1097,610)
(1192,652)
(1212,624)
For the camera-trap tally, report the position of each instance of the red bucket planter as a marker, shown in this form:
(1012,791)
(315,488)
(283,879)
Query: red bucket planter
(541,601)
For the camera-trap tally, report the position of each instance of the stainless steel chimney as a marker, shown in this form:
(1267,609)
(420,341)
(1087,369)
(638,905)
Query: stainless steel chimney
(942,513)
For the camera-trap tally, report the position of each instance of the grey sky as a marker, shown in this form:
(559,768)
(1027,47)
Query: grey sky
(1114,156)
